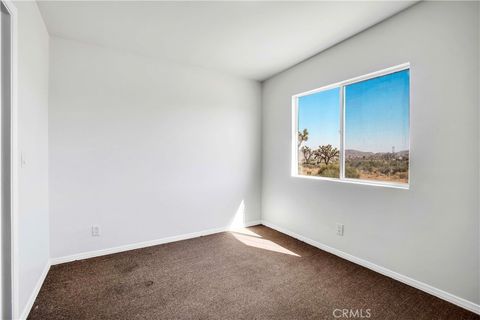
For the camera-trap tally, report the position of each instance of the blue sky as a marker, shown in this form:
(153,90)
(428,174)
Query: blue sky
(376,114)
(320,114)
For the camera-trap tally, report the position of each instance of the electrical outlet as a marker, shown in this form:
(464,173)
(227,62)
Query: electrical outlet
(95,231)
(339,229)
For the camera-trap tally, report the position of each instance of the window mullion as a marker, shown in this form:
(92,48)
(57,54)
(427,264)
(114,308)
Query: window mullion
(342,132)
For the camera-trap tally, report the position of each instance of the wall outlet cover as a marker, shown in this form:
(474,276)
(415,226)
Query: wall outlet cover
(339,229)
(95,231)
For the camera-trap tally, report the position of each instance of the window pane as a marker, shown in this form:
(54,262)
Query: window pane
(377,128)
(318,134)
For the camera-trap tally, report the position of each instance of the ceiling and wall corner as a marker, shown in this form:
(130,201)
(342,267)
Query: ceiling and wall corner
(223,40)
(250,39)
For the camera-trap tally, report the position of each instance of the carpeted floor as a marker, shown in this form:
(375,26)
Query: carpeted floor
(255,273)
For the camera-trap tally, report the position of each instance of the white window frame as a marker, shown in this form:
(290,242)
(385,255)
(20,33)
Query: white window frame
(341,85)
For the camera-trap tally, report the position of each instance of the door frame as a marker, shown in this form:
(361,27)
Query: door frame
(14,153)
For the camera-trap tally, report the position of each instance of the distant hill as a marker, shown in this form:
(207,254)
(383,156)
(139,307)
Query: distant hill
(350,153)
(355,154)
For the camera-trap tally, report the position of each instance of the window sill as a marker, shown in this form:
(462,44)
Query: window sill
(361,182)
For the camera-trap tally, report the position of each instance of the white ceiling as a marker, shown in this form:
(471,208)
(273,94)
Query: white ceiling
(249,39)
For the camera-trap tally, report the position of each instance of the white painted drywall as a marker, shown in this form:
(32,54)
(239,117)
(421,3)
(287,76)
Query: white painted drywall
(430,232)
(146,149)
(33,212)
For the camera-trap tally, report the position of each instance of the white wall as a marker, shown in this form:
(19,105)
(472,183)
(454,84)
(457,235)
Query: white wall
(430,232)
(146,149)
(33,211)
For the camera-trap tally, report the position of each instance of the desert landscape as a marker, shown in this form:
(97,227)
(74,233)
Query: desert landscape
(324,162)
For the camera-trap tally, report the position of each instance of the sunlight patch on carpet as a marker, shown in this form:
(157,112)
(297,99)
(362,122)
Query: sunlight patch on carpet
(260,243)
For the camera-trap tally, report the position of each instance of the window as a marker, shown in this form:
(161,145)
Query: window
(356,130)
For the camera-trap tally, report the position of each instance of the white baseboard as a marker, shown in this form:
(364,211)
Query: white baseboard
(35,292)
(139,245)
(102,252)
(470,306)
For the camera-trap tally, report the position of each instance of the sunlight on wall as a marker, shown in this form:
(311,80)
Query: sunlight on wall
(250,238)
(239,218)
(258,242)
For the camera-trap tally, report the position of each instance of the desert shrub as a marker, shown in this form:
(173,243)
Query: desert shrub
(351,172)
(403,175)
(384,166)
(385,170)
(330,171)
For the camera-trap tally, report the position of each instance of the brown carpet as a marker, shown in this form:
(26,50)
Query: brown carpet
(257,273)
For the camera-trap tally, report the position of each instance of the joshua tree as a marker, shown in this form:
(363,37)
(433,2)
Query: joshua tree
(302,136)
(307,154)
(326,153)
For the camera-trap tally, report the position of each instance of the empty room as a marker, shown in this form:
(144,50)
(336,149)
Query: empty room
(240,160)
